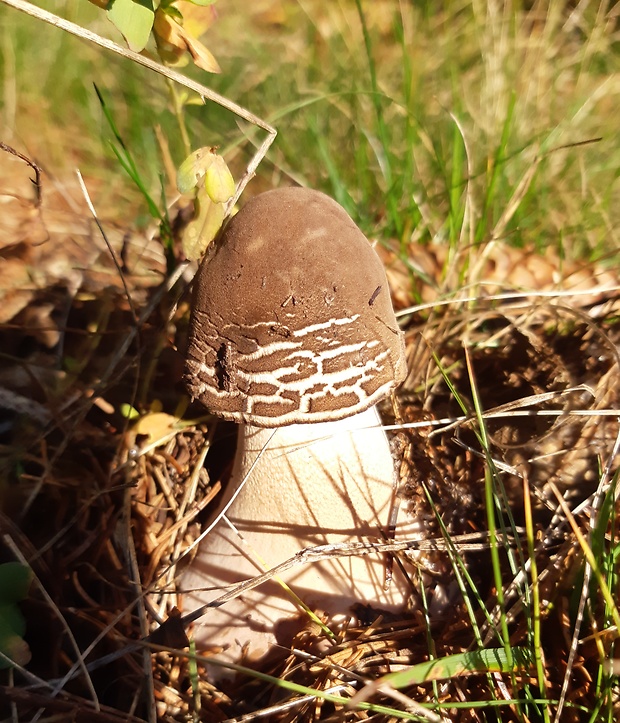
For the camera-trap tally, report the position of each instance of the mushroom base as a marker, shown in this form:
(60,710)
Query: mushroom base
(303,485)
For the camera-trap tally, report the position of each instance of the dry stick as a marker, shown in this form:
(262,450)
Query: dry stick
(111,251)
(136,585)
(511,296)
(58,684)
(284,706)
(130,550)
(509,409)
(313,555)
(319,694)
(139,645)
(177,532)
(323,552)
(107,376)
(37,171)
(386,689)
(303,557)
(222,512)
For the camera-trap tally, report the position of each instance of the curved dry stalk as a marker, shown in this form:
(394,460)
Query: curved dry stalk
(315,554)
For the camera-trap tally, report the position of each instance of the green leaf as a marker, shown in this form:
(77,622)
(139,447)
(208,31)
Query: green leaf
(15,580)
(206,163)
(12,627)
(129,165)
(128,412)
(174,12)
(11,622)
(134,19)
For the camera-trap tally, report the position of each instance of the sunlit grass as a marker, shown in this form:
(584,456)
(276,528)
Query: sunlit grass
(50,108)
(421,120)
(425,125)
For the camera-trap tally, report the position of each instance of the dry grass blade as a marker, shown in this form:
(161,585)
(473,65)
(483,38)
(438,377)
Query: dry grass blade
(592,568)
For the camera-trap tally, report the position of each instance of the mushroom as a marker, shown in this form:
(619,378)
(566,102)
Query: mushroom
(293,336)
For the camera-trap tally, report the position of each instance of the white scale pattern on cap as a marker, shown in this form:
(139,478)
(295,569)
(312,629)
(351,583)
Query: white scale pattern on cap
(326,325)
(355,374)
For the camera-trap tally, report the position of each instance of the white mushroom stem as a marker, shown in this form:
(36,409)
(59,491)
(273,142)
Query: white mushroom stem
(313,484)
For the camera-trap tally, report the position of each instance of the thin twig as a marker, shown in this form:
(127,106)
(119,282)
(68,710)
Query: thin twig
(111,251)
(38,189)
(106,377)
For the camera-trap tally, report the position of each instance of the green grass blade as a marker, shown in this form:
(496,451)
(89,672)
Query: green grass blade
(475,662)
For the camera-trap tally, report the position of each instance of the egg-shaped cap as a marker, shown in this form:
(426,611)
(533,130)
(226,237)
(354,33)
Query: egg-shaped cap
(292,319)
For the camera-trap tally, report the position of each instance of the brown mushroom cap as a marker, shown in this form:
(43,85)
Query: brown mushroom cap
(292,319)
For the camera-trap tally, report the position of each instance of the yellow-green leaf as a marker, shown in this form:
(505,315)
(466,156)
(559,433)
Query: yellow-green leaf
(128,412)
(201,55)
(202,230)
(15,580)
(156,425)
(174,40)
(219,183)
(193,169)
(12,627)
(134,19)
(474,662)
